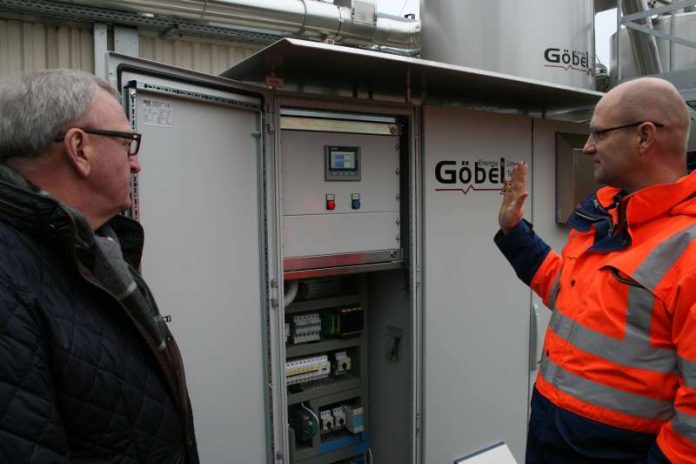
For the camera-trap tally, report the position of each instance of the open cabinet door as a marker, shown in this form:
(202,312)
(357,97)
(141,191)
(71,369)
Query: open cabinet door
(476,312)
(200,197)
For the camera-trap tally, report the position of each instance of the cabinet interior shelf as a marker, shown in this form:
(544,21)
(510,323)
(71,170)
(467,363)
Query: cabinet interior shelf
(323,387)
(324,345)
(322,303)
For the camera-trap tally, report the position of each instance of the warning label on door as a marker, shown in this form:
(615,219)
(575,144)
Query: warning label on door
(157,113)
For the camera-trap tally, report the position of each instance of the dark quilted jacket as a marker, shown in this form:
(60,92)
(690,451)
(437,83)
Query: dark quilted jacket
(80,380)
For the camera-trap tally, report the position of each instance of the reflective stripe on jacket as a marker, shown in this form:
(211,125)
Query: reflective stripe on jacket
(621,345)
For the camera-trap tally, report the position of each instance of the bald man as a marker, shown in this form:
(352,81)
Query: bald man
(617,382)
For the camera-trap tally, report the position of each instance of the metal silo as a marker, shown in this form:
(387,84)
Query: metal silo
(549,40)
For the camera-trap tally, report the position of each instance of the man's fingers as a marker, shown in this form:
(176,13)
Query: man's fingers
(519,201)
(519,175)
(518,178)
(514,191)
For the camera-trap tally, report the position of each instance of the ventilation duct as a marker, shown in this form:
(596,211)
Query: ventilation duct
(349,22)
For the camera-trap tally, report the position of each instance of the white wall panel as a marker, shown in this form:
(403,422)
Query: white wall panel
(32,45)
(202,55)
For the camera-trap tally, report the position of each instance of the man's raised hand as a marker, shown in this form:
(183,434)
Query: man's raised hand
(514,194)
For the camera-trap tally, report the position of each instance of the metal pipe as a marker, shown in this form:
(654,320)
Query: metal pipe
(619,15)
(671,42)
(306,18)
(643,46)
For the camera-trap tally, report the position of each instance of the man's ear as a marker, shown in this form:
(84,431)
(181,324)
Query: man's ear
(647,132)
(75,145)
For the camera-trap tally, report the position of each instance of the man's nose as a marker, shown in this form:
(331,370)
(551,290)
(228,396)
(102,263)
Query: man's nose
(134,164)
(590,146)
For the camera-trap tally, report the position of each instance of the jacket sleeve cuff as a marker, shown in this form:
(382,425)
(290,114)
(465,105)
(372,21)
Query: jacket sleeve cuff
(524,249)
(656,456)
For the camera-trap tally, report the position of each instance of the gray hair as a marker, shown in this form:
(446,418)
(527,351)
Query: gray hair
(38,107)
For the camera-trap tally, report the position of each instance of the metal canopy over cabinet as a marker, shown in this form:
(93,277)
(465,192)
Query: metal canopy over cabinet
(310,67)
(341,292)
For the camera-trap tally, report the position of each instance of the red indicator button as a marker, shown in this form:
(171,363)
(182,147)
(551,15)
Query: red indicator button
(330,202)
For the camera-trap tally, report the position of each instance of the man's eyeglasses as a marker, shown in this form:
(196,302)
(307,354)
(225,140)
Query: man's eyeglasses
(599,134)
(134,138)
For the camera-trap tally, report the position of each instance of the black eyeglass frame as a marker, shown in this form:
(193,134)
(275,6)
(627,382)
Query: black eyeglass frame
(598,134)
(134,137)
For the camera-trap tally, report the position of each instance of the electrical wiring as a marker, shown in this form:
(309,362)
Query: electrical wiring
(311,413)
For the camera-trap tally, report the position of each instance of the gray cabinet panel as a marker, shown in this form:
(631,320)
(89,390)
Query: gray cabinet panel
(309,227)
(199,202)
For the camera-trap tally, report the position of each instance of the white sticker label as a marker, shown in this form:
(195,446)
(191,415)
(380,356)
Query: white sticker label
(157,113)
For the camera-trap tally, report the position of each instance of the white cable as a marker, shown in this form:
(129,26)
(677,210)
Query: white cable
(369,453)
(291,292)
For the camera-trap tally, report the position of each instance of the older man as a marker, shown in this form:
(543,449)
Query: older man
(618,377)
(88,370)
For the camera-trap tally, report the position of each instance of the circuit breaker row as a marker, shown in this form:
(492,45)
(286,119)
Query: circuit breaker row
(337,322)
(336,418)
(329,420)
(344,416)
(317,367)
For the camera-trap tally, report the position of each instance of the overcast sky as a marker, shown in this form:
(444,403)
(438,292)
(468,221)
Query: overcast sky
(605,23)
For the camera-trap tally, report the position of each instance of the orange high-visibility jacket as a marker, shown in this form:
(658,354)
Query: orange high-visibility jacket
(621,345)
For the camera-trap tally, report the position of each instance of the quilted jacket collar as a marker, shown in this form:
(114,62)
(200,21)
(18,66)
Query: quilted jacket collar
(27,208)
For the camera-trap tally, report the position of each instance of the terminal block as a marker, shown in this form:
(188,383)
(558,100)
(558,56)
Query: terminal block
(306,328)
(339,416)
(342,322)
(327,421)
(307,369)
(335,419)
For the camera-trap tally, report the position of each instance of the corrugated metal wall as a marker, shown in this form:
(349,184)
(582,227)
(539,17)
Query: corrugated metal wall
(202,55)
(32,46)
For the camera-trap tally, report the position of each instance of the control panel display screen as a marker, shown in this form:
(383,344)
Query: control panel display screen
(341,164)
(343,161)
